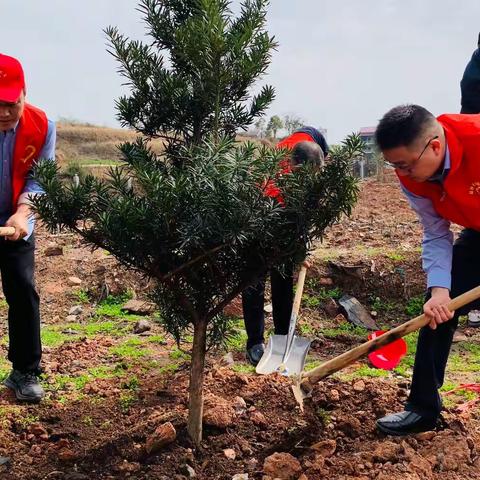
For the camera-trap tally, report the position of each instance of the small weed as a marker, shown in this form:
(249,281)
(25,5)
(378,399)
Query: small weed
(325,294)
(397,257)
(243,368)
(127,399)
(310,301)
(25,420)
(306,329)
(87,421)
(415,306)
(324,416)
(82,296)
(131,384)
(380,305)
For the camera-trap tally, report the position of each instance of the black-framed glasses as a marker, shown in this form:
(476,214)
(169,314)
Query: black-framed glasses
(398,166)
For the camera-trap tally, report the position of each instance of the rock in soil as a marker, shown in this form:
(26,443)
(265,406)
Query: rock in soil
(283,466)
(142,326)
(138,307)
(218,412)
(162,436)
(326,448)
(240,476)
(53,251)
(74,281)
(230,453)
(76,310)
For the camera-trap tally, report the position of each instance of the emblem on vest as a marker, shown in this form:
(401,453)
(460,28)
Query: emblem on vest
(2,74)
(29,153)
(474,188)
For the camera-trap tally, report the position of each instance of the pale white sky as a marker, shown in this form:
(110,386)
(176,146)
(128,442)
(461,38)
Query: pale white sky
(341,63)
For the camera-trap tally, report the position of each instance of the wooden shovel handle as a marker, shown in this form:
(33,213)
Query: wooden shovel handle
(337,363)
(7,231)
(299,290)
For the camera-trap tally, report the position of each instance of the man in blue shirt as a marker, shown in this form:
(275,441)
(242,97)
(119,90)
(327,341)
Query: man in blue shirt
(21,125)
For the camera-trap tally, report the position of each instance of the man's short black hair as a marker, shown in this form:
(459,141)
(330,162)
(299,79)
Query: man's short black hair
(402,126)
(308,153)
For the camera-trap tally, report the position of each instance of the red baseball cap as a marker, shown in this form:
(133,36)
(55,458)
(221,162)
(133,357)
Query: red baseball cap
(12,79)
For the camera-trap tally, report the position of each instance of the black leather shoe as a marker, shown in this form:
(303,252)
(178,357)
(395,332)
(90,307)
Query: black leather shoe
(405,423)
(25,386)
(255,353)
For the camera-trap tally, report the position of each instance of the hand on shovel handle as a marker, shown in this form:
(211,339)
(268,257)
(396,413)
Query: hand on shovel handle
(308,379)
(7,231)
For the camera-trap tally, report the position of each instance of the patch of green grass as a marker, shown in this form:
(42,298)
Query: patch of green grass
(383,306)
(415,306)
(132,348)
(53,338)
(365,371)
(160,339)
(306,329)
(312,363)
(169,368)
(459,362)
(236,339)
(177,354)
(309,301)
(112,305)
(243,368)
(87,420)
(397,257)
(325,294)
(131,384)
(473,349)
(344,329)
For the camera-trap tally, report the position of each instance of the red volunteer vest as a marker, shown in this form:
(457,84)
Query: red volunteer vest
(270,189)
(458,199)
(29,141)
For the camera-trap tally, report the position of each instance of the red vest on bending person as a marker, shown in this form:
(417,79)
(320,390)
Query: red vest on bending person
(30,138)
(270,189)
(458,198)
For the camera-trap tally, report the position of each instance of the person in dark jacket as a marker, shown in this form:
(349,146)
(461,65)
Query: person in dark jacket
(306,145)
(470,84)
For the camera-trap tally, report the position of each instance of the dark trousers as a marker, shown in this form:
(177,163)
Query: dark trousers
(282,300)
(17,265)
(433,346)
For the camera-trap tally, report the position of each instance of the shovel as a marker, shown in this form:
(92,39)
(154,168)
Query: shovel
(304,382)
(286,354)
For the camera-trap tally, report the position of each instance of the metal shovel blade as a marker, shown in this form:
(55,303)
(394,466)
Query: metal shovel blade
(273,357)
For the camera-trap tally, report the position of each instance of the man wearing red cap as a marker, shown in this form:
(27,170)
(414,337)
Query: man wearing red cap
(26,135)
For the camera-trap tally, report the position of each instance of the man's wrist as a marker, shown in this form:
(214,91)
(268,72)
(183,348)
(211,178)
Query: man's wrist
(440,291)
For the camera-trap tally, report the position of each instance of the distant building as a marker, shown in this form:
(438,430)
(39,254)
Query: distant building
(367,134)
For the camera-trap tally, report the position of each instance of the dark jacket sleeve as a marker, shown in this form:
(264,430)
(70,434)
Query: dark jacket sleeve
(470,85)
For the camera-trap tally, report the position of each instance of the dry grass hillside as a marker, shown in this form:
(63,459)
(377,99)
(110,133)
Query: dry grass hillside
(89,146)
(86,146)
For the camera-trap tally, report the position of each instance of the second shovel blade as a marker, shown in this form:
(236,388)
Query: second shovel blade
(272,359)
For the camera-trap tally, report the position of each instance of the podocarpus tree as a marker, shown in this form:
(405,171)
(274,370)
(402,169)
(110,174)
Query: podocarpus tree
(195,218)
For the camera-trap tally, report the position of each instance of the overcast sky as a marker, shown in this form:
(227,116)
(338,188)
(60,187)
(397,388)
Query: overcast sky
(341,63)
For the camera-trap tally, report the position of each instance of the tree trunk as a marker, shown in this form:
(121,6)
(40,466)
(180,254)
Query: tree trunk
(195,402)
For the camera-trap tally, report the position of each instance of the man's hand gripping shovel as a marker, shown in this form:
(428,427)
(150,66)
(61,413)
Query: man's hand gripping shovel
(305,381)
